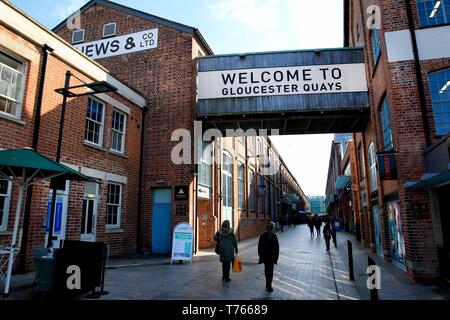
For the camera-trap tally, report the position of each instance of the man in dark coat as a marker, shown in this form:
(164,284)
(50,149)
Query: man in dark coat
(227,247)
(327,232)
(268,251)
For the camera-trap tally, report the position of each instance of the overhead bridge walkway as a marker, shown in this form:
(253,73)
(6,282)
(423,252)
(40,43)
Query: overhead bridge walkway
(296,92)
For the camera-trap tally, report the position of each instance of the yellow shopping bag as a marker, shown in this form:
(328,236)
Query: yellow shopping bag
(237,264)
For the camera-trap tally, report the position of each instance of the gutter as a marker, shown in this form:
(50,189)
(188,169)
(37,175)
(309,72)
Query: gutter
(46,50)
(423,106)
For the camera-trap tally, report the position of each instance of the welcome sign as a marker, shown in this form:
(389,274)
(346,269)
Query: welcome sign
(302,80)
(135,42)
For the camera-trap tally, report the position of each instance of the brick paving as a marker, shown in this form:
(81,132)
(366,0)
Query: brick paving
(304,272)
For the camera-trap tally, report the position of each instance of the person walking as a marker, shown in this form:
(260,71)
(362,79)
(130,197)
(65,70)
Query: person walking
(227,246)
(333,229)
(268,251)
(311,225)
(327,232)
(317,224)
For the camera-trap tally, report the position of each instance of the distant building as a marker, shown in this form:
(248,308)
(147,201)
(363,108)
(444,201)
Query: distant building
(317,204)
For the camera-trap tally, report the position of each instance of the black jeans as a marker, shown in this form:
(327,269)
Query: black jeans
(268,271)
(333,234)
(327,242)
(226,267)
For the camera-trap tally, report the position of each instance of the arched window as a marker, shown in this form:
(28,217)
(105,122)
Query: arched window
(241,185)
(386,126)
(251,193)
(440,98)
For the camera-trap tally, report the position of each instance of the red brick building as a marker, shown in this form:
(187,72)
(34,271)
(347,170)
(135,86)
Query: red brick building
(101,138)
(403,155)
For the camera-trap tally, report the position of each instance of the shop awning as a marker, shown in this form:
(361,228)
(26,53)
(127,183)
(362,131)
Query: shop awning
(430,181)
(342,182)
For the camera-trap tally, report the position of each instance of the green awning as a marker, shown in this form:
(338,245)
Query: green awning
(342,182)
(13,163)
(430,181)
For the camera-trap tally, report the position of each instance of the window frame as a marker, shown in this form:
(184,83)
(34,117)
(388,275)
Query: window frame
(102,124)
(20,85)
(111,35)
(241,184)
(251,191)
(6,207)
(205,163)
(376,46)
(373,183)
(386,125)
(119,206)
(73,34)
(429,23)
(442,127)
(123,133)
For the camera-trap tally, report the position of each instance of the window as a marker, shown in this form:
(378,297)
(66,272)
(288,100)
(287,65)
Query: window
(433,12)
(94,122)
(241,186)
(386,126)
(440,99)
(241,139)
(109,29)
(260,195)
(5,194)
(113,205)
(78,36)
(376,44)
(251,192)
(373,168)
(259,149)
(252,144)
(118,132)
(12,73)
(267,207)
(204,167)
(362,171)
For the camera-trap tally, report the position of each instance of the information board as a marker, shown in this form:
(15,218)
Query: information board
(182,241)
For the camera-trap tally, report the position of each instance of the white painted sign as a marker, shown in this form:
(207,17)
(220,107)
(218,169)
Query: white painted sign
(318,79)
(204,192)
(182,248)
(139,41)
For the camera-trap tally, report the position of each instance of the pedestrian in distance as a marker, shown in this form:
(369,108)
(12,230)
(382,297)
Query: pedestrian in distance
(268,251)
(227,247)
(317,224)
(327,232)
(311,225)
(333,229)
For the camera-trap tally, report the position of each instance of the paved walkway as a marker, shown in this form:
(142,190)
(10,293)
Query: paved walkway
(304,272)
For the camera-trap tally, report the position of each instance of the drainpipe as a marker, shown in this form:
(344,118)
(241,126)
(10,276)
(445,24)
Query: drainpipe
(423,107)
(46,50)
(139,235)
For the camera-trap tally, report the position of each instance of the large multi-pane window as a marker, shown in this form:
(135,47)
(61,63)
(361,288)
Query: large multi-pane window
(251,193)
(260,195)
(372,168)
(113,205)
(440,98)
(5,194)
(376,44)
(204,166)
(241,186)
(94,122)
(433,12)
(386,126)
(118,132)
(12,73)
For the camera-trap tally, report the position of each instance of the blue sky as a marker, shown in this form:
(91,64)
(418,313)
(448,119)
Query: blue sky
(231,26)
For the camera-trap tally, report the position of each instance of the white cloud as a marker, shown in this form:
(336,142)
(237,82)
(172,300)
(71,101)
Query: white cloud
(65,8)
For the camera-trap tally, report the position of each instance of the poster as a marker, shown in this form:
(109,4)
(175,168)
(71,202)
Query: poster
(182,242)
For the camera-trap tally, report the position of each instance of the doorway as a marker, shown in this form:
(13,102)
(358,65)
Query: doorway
(444,249)
(396,234)
(60,216)
(227,180)
(162,217)
(89,213)
(377,230)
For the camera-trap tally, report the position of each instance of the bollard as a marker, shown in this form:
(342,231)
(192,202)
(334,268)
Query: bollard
(350,260)
(373,292)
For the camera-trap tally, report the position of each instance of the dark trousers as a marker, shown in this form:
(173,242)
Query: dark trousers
(327,242)
(226,267)
(333,234)
(311,229)
(318,231)
(268,271)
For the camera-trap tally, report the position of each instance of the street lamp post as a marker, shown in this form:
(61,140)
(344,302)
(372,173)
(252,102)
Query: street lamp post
(95,88)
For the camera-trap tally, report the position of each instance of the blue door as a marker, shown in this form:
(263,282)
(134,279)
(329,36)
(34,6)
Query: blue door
(161,228)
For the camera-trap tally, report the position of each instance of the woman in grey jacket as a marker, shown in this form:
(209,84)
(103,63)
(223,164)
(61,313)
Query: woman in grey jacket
(227,246)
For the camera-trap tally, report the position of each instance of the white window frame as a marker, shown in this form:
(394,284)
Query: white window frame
(108,24)
(21,84)
(123,133)
(4,221)
(119,206)
(241,180)
(102,125)
(73,34)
